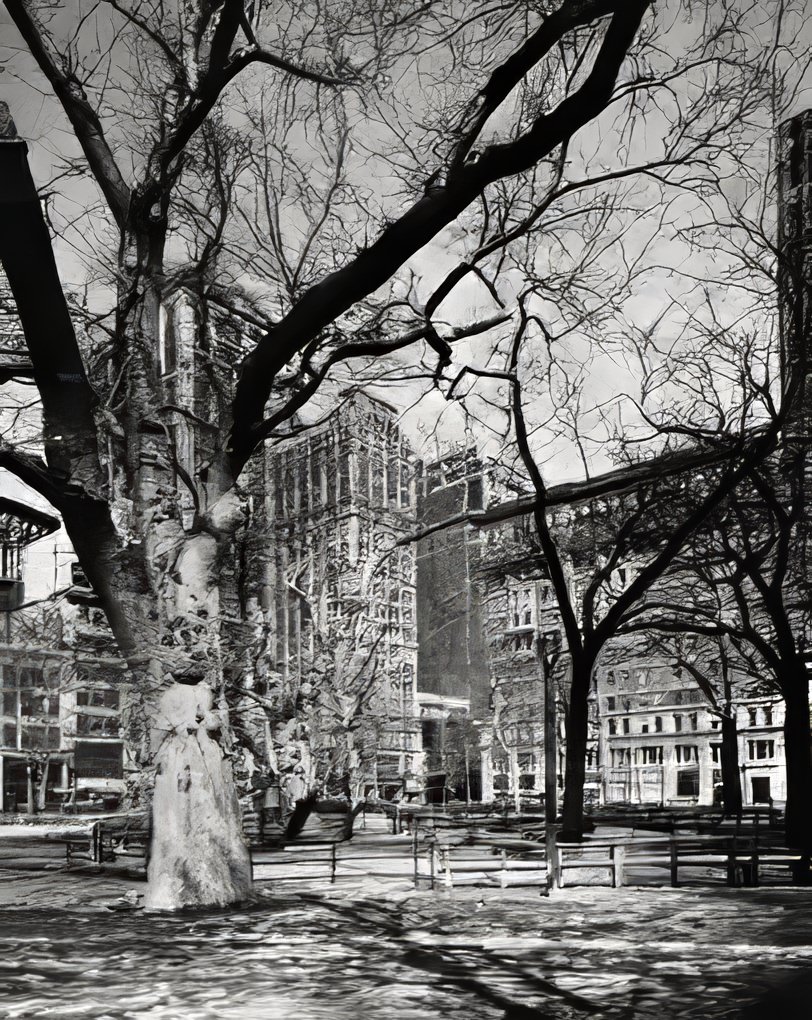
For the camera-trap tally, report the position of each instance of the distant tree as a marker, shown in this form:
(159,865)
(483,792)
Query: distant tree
(743,580)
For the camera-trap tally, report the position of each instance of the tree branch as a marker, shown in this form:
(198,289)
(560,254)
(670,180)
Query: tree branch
(439,206)
(84,119)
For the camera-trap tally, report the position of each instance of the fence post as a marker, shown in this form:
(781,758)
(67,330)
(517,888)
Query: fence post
(414,855)
(553,856)
(754,862)
(618,861)
(674,862)
(731,863)
(446,858)
(503,876)
(333,864)
(431,865)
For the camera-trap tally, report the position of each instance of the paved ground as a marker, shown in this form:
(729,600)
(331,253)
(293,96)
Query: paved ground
(372,945)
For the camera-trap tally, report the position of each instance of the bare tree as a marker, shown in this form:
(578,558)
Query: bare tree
(143,88)
(742,579)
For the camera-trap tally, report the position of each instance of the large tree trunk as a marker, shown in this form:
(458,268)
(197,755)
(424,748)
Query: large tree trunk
(171,589)
(731,780)
(577,734)
(159,585)
(798,750)
(197,855)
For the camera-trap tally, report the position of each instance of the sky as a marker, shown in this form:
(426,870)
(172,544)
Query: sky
(41,122)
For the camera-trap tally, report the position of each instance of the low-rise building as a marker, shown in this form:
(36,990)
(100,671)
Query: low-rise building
(661,739)
(760,727)
(60,739)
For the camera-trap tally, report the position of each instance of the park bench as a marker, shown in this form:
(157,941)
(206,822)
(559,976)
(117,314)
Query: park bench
(671,853)
(124,837)
(740,856)
(298,857)
(82,846)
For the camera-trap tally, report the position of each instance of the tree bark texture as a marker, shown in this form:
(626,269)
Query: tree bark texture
(577,736)
(798,751)
(731,781)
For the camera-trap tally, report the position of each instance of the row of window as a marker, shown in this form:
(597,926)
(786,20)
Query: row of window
(642,677)
(625,724)
(684,754)
(313,482)
(653,755)
(766,716)
(673,697)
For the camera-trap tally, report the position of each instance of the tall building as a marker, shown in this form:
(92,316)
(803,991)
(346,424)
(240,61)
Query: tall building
(454,691)
(340,595)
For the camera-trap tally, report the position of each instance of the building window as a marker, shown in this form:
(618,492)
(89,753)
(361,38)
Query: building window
(392,478)
(716,753)
(99,761)
(404,484)
(167,342)
(316,480)
(751,717)
(658,724)
(686,753)
(523,642)
(768,715)
(344,489)
(650,755)
(97,698)
(688,783)
(610,703)
(677,723)
(406,606)
(759,750)
(621,756)
(644,728)
(625,725)
(694,720)
(97,726)
(612,727)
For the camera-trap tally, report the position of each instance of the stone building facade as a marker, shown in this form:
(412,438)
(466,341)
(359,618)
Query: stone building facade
(60,742)
(340,596)
(454,695)
(661,738)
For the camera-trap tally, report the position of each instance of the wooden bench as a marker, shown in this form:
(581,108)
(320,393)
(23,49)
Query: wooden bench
(298,856)
(124,837)
(739,857)
(82,847)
